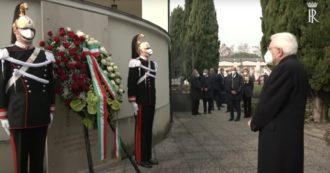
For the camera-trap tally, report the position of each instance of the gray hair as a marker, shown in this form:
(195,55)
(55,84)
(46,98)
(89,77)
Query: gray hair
(285,41)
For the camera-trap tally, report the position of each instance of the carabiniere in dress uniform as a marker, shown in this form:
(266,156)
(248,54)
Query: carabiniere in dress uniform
(142,96)
(27,94)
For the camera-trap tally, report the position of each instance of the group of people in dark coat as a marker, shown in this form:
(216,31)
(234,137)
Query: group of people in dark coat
(209,88)
(218,88)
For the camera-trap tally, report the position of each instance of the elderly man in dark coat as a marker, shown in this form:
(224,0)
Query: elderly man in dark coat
(195,92)
(234,87)
(279,116)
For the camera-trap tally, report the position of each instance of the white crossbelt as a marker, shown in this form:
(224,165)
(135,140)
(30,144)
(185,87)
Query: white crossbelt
(17,73)
(146,74)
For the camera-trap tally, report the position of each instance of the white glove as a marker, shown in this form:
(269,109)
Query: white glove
(135,107)
(5,125)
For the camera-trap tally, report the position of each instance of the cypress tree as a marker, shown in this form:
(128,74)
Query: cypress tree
(202,40)
(176,32)
(313,40)
(185,46)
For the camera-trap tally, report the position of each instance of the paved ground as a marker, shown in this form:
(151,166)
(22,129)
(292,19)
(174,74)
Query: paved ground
(210,144)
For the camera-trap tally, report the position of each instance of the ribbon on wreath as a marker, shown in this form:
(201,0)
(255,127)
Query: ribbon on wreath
(98,79)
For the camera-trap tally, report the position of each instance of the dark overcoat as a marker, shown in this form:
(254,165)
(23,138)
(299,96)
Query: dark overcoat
(234,83)
(279,118)
(248,86)
(195,88)
(207,85)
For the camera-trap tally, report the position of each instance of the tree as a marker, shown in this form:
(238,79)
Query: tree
(243,47)
(256,50)
(176,30)
(313,39)
(185,44)
(315,54)
(226,51)
(202,35)
(240,55)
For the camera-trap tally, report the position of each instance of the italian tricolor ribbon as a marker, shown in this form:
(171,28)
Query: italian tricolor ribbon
(98,80)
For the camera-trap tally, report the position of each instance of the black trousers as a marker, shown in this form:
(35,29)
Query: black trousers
(247,106)
(194,107)
(143,133)
(229,103)
(207,105)
(217,98)
(28,144)
(235,106)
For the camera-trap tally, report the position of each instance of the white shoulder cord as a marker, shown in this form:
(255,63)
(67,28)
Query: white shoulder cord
(146,74)
(25,65)
(5,57)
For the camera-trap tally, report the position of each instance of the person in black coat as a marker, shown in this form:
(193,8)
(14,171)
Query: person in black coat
(214,86)
(207,91)
(247,92)
(218,87)
(27,95)
(195,92)
(234,88)
(226,85)
(222,92)
(279,116)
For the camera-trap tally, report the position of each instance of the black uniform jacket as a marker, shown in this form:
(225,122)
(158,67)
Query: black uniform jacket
(28,103)
(145,92)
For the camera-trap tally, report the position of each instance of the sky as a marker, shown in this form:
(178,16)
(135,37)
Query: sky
(239,20)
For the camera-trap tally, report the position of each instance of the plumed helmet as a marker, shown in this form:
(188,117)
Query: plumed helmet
(21,20)
(136,41)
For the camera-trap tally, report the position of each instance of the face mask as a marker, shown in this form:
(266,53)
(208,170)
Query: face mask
(27,34)
(268,58)
(204,74)
(149,51)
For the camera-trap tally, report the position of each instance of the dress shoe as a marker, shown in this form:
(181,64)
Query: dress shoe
(153,162)
(236,119)
(145,164)
(230,119)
